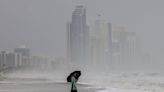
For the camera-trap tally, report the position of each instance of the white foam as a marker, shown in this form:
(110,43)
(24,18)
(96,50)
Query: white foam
(104,91)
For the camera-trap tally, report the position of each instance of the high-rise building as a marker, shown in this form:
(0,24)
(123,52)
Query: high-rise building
(9,60)
(25,53)
(23,50)
(101,44)
(3,60)
(18,62)
(119,45)
(42,62)
(78,37)
(131,46)
(125,48)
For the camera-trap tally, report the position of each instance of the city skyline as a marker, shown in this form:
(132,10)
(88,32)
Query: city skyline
(22,21)
(81,45)
(86,48)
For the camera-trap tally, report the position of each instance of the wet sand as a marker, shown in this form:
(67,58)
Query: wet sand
(41,86)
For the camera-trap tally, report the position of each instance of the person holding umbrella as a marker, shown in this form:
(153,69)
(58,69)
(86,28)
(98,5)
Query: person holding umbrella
(73,77)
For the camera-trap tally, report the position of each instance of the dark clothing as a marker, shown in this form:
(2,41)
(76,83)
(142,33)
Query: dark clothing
(73,90)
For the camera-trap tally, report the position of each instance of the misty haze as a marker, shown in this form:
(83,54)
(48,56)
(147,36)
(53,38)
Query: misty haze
(116,44)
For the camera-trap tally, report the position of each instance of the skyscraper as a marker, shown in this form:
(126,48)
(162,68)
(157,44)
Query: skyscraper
(9,60)
(78,36)
(3,59)
(101,44)
(125,48)
(25,53)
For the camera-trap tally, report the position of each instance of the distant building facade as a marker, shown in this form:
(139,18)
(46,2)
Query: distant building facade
(124,47)
(25,53)
(78,37)
(3,59)
(9,60)
(101,44)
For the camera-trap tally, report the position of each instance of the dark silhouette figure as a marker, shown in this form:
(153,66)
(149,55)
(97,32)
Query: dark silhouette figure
(73,78)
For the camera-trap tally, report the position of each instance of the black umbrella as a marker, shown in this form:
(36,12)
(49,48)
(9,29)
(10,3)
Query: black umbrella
(75,74)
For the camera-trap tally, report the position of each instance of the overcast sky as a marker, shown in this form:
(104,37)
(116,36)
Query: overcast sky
(41,24)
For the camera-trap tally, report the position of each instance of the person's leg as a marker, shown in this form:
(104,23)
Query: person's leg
(72,89)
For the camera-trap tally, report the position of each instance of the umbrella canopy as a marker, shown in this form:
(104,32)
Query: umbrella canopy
(75,74)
